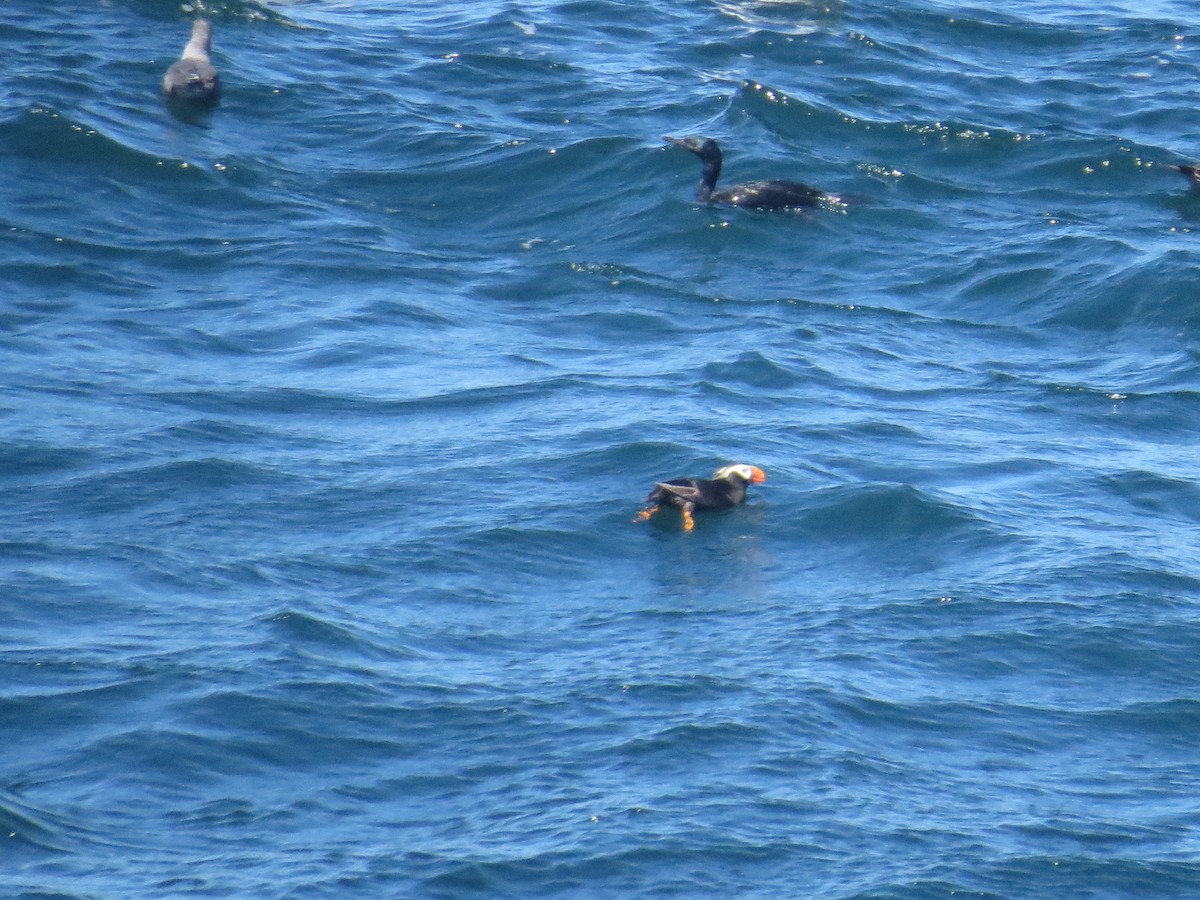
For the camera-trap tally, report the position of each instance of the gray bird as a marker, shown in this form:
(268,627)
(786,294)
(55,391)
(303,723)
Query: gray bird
(193,77)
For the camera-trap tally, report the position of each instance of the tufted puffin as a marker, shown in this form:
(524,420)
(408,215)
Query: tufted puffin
(726,488)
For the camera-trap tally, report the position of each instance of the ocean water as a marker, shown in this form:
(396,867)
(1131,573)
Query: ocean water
(326,414)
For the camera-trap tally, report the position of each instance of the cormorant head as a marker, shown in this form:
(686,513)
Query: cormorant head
(710,157)
(705,148)
(748,474)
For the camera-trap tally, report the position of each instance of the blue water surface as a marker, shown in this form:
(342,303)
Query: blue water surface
(327,412)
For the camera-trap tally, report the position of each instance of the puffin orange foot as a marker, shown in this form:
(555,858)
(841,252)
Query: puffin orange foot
(645,514)
(688,522)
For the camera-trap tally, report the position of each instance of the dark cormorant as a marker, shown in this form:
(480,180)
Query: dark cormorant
(752,194)
(725,489)
(1191,173)
(193,77)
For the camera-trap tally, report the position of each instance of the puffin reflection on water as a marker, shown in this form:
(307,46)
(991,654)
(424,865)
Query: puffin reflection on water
(752,194)
(726,488)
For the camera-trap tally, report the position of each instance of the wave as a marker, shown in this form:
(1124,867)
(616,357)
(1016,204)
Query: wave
(886,512)
(43,134)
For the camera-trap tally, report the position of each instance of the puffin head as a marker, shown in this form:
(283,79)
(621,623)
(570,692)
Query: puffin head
(1191,173)
(748,474)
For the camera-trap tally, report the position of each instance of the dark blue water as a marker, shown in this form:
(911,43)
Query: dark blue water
(325,415)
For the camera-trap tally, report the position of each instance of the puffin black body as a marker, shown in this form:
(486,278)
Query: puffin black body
(193,78)
(726,488)
(752,194)
(1191,173)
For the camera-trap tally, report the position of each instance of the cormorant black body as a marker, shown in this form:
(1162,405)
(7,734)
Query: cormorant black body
(752,194)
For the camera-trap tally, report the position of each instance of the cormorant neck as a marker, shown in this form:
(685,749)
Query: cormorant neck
(708,179)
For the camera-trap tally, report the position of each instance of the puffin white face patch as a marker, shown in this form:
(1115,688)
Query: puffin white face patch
(744,472)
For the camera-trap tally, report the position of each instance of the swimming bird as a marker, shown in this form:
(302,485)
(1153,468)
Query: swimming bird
(1191,173)
(752,194)
(726,488)
(193,77)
